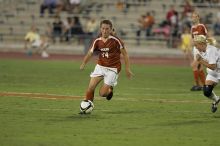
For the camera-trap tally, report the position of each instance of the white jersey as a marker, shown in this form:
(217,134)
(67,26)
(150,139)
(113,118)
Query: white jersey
(212,56)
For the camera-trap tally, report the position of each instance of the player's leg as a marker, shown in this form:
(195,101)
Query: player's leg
(208,91)
(194,66)
(106,91)
(96,77)
(94,81)
(110,80)
(202,75)
(210,83)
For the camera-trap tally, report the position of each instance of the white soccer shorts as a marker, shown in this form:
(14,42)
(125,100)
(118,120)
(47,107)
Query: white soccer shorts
(110,74)
(213,75)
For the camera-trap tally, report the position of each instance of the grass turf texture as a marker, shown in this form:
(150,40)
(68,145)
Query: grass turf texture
(155,108)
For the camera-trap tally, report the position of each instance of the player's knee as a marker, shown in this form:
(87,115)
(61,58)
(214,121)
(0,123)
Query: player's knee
(207,90)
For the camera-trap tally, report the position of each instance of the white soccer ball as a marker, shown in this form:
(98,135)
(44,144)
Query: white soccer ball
(86,106)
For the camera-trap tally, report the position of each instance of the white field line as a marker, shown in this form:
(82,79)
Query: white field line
(56,96)
(148,94)
(158,89)
(39,95)
(145,88)
(163,100)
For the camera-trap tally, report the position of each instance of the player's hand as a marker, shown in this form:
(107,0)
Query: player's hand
(198,57)
(82,66)
(129,74)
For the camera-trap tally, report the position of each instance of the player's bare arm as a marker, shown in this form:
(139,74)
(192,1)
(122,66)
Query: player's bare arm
(127,63)
(85,60)
(205,63)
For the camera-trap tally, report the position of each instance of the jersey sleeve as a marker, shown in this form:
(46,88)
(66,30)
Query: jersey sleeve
(120,42)
(93,45)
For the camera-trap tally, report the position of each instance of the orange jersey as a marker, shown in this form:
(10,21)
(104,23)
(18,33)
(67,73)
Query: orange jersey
(199,29)
(109,51)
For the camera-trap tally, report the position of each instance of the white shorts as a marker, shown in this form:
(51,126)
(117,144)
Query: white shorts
(110,74)
(213,75)
(36,43)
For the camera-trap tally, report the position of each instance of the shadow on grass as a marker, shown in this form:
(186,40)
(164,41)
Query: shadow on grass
(91,116)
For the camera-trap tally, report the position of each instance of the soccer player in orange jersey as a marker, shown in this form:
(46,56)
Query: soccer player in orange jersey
(109,48)
(199,75)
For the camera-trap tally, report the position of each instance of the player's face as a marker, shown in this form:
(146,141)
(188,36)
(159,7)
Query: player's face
(195,18)
(105,30)
(200,46)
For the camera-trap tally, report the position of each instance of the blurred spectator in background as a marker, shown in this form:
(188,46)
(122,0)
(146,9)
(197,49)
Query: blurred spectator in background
(145,23)
(91,29)
(141,24)
(148,23)
(62,6)
(171,16)
(91,26)
(70,6)
(187,8)
(48,31)
(216,27)
(74,6)
(57,29)
(51,5)
(33,40)
(77,29)
(185,18)
(67,26)
(186,45)
(172,19)
(163,29)
(120,5)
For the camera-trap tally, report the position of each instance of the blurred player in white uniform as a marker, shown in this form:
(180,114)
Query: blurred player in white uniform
(209,56)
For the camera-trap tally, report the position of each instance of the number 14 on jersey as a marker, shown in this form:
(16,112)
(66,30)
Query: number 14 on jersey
(105,54)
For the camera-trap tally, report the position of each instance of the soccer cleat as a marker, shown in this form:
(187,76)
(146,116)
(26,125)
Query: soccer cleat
(196,88)
(214,106)
(109,97)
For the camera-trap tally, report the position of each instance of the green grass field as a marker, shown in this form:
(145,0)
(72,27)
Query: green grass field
(155,108)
